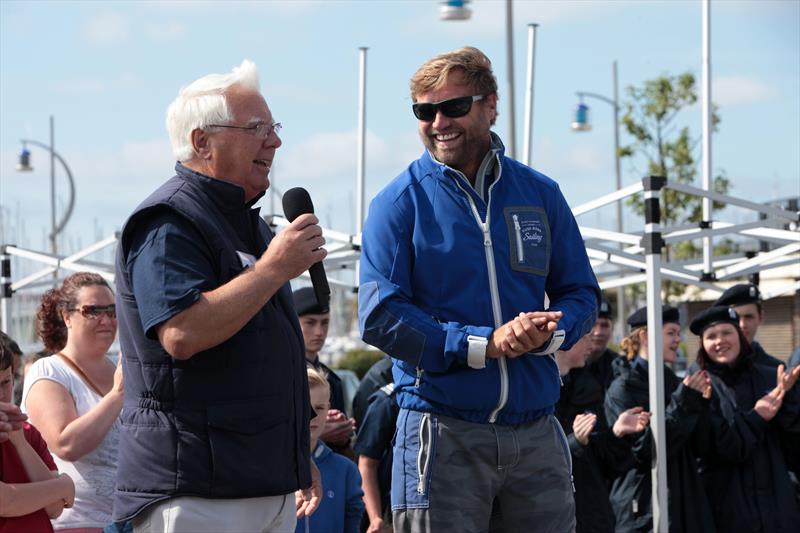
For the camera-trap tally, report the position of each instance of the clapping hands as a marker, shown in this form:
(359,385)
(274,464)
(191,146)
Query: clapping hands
(631,421)
(699,381)
(768,405)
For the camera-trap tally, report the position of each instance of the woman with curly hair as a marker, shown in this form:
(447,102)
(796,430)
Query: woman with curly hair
(74,397)
(755,427)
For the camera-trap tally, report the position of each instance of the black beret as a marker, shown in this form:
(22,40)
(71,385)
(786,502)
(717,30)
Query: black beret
(741,294)
(668,314)
(713,315)
(604,310)
(305,302)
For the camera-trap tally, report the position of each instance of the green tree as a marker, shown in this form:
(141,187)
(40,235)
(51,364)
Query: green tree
(651,119)
(359,360)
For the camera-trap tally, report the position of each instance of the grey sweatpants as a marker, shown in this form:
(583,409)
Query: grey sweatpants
(447,473)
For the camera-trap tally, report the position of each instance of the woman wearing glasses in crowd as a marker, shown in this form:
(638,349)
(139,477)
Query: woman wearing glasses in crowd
(755,420)
(74,396)
(685,420)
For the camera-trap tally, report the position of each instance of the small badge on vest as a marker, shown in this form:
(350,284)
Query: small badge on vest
(247,260)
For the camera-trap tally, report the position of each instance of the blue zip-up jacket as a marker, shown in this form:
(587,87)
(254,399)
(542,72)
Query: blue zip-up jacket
(441,269)
(342,502)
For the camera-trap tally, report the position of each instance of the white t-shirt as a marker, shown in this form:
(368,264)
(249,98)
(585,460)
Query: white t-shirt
(94,474)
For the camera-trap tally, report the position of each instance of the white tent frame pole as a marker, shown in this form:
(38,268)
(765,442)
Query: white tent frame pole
(652,244)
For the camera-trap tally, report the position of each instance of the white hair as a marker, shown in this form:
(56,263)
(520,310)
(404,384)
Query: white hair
(202,103)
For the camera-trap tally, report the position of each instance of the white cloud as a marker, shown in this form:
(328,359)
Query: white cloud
(106,29)
(78,86)
(163,32)
(581,159)
(283,7)
(326,164)
(738,90)
(324,156)
(94,86)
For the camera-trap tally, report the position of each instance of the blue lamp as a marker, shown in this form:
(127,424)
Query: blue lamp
(24,164)
(580,121)
(454,10)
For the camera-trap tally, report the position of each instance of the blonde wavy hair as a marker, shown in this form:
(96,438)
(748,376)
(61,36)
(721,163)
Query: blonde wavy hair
(631,344)
(473,64)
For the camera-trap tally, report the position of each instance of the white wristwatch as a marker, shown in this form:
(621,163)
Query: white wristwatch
(476,351)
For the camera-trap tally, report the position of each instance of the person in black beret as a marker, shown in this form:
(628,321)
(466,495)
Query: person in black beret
(686,412)
(754,427)
(745,299)
(314,322)
(600,364)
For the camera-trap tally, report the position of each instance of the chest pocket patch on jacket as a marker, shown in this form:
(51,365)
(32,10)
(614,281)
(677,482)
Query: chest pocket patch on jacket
(528,239)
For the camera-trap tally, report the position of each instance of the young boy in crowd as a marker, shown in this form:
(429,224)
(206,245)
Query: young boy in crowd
(16,364)
(31,490)
(342,506)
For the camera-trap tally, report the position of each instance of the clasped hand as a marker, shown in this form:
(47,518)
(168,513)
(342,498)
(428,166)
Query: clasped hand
(11,419)
(522,334)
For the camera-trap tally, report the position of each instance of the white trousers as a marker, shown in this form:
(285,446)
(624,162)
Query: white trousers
(203,515)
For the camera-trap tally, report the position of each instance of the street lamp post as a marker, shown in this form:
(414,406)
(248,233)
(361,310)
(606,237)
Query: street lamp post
(24,165)
(581,123)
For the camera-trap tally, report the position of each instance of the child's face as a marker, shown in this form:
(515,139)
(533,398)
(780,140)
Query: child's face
(6,385)
(320,403)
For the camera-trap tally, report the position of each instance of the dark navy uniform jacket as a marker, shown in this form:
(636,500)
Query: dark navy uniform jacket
(745,471)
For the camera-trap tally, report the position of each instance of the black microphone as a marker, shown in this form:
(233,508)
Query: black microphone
(296,202)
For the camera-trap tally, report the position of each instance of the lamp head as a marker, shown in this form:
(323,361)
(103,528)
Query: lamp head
(24,164)
(580,120)
(454,10)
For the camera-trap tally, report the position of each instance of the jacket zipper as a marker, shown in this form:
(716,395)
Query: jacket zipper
(422,468)
(518,235)
(493,289)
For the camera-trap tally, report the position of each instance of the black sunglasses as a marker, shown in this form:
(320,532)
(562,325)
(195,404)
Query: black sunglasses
(93,312)
(453,108)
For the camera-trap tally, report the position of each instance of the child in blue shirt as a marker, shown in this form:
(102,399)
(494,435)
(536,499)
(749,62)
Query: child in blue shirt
(342,504)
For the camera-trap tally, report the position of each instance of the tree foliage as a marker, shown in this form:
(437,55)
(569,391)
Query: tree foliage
(359,360)
(650,117)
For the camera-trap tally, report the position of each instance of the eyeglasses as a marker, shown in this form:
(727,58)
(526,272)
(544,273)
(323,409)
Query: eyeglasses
(262,130)
(453,108)
(93,312)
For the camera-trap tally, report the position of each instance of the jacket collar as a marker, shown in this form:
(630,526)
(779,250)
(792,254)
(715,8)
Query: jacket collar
(226,195)
(496,149)
(321,452)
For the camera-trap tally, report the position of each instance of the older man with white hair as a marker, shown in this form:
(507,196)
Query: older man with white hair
(216,414)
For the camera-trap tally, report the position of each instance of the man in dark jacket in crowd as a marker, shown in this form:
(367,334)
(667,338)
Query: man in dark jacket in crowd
(745,299)
(601,358)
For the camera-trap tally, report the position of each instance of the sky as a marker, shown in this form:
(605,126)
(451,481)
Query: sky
(108,70)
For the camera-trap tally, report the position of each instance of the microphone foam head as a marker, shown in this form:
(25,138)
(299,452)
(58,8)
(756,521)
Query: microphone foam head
(296,201)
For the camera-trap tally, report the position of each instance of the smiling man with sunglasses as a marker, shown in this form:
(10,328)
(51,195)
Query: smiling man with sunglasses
(457,254)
